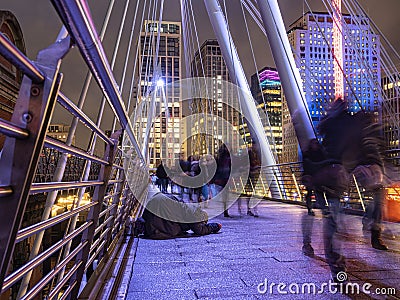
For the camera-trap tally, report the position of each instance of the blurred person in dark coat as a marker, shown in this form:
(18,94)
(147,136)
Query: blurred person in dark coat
(222,174)
(313,158)
(163,177)
(351,140)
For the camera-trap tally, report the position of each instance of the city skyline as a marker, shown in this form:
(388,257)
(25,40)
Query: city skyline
(72,84)
(384,13)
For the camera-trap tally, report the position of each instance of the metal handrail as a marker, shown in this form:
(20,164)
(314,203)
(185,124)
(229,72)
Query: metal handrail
(290,182)
(15,276)
(34,229)
(58,287)
(77,19)
(93,257)
(45,187)
(60,146)
(107,210)
(16,57)
(46,279)
(73,109)
(98,229)
(12,130)
(5,191)
(104,222)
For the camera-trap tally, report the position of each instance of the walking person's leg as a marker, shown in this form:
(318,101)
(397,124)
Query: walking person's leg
(376,226)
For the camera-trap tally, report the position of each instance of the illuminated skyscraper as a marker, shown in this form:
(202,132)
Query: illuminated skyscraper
(266,90)
(208,62)
(311,38)
(157,84)
(391,117)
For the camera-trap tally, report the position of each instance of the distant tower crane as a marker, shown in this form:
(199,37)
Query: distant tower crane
(337,48)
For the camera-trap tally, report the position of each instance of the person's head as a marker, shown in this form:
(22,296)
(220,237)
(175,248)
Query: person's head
(313,145)
(338,106)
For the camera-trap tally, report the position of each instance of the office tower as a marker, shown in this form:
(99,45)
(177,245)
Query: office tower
(266,91)
(221,102)
(311,39)
(157,85)
(391,117)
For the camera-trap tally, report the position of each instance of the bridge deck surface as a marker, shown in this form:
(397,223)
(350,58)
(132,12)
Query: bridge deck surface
(247,251)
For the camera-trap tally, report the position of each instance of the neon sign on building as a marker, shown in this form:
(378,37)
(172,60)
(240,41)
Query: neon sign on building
(337,48)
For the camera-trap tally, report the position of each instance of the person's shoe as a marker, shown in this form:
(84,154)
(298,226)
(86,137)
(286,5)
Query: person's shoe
(377,243)
(215,227)
(226,215)
(376,240)
(308,250)
(250,213)
(311,213)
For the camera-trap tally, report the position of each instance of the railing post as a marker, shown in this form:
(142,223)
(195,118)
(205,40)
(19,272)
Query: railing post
(263,186)
(278,184)
(33,111)
(359,192)
(113,212)
(295,182)
(93,217)
(243,186)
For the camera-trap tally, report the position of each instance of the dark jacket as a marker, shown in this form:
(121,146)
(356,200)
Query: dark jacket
(185,165)
(352,140)
(223,171)
(160,172)
(168,218)
(314,158)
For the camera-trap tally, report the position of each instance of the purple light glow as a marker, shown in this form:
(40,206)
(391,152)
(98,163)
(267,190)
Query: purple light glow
(270,75)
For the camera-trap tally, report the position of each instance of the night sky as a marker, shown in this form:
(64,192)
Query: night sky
(40,25)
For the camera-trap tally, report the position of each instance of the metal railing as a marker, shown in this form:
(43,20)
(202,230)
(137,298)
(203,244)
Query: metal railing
(64,209)
(291,189)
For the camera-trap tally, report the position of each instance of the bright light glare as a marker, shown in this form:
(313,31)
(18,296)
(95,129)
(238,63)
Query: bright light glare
(160,82)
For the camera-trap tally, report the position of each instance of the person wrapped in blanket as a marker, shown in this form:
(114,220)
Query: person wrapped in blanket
(167,217)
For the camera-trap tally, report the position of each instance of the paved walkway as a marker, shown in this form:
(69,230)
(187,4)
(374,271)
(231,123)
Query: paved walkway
(249,252)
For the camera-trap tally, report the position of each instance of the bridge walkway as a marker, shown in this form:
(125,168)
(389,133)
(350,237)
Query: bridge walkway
(247,251)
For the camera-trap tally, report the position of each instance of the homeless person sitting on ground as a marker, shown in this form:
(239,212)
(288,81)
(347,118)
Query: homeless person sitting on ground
(166,217)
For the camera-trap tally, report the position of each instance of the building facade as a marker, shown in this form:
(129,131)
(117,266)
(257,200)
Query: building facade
(10,76)
(311,40)
(391,117)
(220,106)
(157,78)
(59,132)
(267,92)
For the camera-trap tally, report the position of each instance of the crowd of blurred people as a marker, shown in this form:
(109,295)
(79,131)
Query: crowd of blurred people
(349,150)
(211,175)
